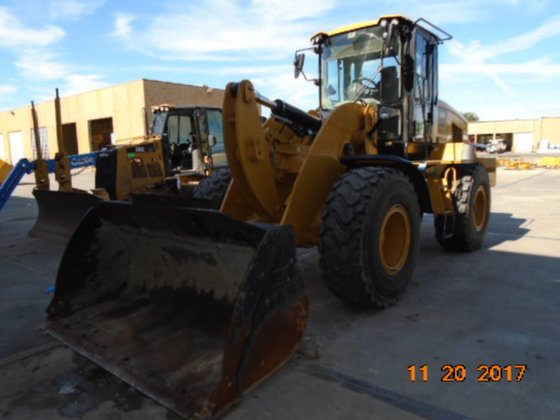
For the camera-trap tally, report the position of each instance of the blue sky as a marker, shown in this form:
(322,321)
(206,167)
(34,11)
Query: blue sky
(503,62)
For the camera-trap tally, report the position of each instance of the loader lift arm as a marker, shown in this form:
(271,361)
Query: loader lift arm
(283,171)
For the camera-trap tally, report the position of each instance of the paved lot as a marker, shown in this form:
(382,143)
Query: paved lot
(498,306)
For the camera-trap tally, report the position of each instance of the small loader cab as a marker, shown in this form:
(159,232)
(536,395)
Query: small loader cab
(182,140)
(390,63)
(178,135)
(190,136)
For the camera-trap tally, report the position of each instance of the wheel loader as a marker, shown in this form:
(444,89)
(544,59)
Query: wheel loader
(196,307)
(184,145)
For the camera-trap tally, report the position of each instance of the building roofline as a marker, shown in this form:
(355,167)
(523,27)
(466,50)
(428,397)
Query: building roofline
(143,80)
(203,86)
(514,120)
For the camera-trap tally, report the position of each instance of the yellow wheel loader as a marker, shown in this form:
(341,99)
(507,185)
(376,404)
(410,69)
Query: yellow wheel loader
(195,307)
(185,144)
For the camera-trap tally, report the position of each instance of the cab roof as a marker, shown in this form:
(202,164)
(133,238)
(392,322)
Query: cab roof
(360,25)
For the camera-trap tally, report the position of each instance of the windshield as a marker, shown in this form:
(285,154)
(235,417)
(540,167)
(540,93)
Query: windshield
(352,66)
(158,124)
(180,129)
(216,127)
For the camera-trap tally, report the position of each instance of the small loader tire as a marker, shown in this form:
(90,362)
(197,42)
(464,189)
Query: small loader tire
(214,186)
(369,236)
(472,213)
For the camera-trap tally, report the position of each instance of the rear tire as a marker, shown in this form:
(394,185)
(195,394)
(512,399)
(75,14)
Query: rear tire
(472,211)
(214,186)
(370,236)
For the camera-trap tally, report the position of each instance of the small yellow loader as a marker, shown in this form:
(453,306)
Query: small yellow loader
(185,144)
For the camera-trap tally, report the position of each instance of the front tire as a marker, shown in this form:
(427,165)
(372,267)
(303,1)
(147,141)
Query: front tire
(466,230)
(369,236)
(214,186)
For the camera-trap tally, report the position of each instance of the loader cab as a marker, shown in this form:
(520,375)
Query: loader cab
(192,138)
(390,63)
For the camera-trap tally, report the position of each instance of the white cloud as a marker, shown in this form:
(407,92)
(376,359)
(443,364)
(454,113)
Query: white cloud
(35,59)
(70,85)
(530,6)
(73,9)
(78,83)
(476,58)
(7,89)
(264,29)
(41,65)
(477,52)
(443,12)
(297,92)
(540,106)
(14,34)
(44,67)
(123,25)
(540,67)
(525,41)
(439,12)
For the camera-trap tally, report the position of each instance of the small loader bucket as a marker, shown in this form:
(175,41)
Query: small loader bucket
(5,169)
(189,306)
(172,199)
(60,212)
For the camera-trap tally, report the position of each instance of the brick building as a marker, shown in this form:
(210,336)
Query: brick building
(521,136)
(93,119)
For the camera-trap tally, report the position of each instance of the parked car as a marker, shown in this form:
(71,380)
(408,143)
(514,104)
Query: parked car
(496,146)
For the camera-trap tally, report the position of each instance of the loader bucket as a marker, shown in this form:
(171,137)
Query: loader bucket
(189,306)
(60,212)
(5,169)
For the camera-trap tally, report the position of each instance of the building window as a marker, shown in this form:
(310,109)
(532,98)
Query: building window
(43,139)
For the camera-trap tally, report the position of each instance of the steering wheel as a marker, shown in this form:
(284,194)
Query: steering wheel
(362,87)
(367,82)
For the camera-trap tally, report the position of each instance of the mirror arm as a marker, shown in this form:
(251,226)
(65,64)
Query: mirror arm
(316,82)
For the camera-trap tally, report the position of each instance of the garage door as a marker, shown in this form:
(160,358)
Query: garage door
(16,146)
(523,142)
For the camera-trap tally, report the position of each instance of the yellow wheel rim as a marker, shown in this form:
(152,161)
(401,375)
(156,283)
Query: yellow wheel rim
(480,208)
(394,239)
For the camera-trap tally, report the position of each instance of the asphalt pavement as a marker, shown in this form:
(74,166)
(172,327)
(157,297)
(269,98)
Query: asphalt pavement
(475,336)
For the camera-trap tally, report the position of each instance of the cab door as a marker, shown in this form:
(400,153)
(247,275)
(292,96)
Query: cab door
(425,87)
(211,122)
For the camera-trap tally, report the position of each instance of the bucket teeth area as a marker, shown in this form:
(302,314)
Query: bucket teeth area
(189,306)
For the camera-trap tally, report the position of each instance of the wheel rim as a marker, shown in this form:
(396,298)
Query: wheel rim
(480,209)
(394,239)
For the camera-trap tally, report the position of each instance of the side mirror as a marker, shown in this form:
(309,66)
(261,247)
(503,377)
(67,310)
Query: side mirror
(298,64)
(211,140)
(389,35)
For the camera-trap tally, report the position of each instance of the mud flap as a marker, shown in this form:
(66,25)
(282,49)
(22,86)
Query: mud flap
(189,306)
(60,212)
